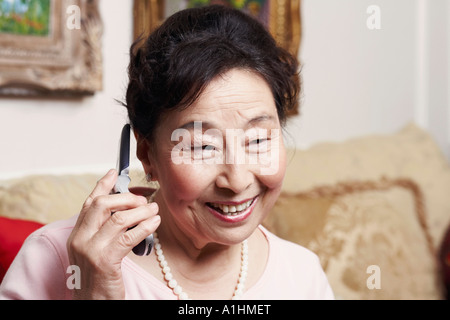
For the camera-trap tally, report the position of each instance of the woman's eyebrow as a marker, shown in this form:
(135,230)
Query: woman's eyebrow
(208,125)
(262,118)
(192,124)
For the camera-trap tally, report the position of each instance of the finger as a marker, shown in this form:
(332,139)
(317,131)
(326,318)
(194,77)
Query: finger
(103,206)
(103,187)
(120,235)
(89,229)
(131,238)
(121,221)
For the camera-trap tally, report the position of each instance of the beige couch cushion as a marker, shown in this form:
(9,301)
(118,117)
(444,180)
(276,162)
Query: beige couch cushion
(356,226)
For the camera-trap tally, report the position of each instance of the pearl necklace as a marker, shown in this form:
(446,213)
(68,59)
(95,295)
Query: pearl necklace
(176,288)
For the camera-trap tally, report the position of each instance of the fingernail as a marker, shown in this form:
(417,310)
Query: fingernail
(110,172)
(143,200)
(153,205)
(156,219)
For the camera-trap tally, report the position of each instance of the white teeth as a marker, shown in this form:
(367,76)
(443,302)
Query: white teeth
(231,210)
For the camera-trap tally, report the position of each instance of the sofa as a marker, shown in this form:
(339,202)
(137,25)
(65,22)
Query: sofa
(375,209)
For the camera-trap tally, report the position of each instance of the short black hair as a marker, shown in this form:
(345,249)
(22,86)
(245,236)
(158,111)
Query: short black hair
(171,68)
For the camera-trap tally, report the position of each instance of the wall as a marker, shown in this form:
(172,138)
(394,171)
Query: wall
(356,81)
(436,71)
(361,81)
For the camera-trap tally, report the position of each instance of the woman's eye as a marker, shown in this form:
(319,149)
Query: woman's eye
(203,148)
(258,141)
(258,145)
(203,152)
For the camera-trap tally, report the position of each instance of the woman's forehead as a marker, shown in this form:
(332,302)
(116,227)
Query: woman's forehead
(237,90)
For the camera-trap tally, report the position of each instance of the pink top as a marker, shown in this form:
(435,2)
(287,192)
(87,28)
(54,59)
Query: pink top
(40,271)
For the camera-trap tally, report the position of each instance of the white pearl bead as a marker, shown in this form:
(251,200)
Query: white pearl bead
(163,263)
(166,269)
(168,276)
(177,290)
(173,283)
(183,296)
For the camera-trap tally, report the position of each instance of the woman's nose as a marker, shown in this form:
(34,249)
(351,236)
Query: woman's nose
(235,177)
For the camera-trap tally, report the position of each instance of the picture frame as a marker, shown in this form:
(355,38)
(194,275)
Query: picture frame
(281,17)
(56,53)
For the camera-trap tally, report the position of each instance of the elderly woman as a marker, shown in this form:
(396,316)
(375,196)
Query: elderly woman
(207,98)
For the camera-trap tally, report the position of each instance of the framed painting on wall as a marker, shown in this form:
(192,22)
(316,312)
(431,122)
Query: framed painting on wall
(50,47)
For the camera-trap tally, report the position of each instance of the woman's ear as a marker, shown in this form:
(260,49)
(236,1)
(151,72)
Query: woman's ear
(142,151)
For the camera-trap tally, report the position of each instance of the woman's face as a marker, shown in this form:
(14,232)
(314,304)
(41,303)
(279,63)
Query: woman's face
(220,162)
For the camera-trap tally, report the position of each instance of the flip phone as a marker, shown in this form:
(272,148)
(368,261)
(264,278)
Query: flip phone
(123,180)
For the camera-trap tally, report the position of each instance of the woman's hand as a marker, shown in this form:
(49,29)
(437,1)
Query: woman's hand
(100,239)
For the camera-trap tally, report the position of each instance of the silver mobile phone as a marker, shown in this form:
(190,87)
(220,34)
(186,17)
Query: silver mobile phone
(123,180)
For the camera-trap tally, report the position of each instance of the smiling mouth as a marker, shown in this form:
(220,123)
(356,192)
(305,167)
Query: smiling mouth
(230,209)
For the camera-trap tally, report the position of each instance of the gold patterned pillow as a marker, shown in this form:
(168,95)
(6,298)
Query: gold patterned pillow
(371,237)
